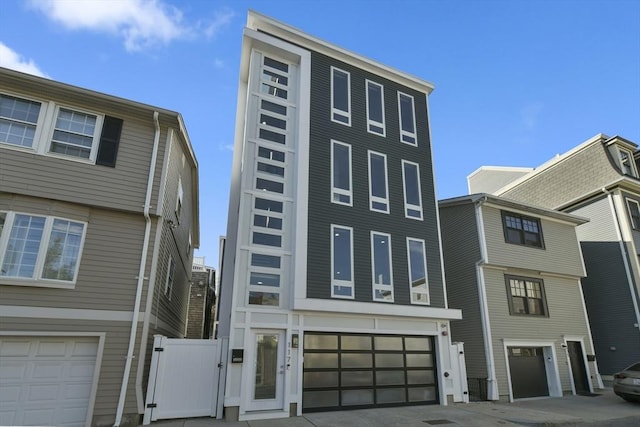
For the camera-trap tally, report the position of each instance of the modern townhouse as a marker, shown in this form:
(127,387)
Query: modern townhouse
(598,180)
(515,269)
(333,294)
(98,222)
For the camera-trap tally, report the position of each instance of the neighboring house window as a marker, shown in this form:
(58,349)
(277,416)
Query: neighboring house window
(634,213)
(407,113)
(179,199)
(382,275)
(171,277)
(341,262)
(418,285)
(40,247)
(526,296)
(522,230)
(68,132)
(341,173)
(375,108)
(340,96)
(378,183)
(264,280)
(626,162)
(189,244)
(412,191)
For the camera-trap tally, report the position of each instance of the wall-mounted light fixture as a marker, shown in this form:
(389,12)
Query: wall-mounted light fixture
(171,224)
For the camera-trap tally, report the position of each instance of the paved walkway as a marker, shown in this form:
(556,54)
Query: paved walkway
(566,411)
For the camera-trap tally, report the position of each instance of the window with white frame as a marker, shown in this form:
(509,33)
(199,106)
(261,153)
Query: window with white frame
(375,108)
(35,247)
(417,260)
(341,262)
(634,213)
(626,162)
(171,277)
(382,274)
(67,132)
(378,182)
(407,114)
(264,280)
(340,96)
(341,192)
(412,191)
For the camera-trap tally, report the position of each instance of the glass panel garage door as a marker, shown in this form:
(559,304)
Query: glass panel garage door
(348,371)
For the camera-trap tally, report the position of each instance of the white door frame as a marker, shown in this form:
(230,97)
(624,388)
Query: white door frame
(579,339)
(276,404)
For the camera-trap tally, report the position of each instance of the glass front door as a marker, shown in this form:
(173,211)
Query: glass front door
(268,370)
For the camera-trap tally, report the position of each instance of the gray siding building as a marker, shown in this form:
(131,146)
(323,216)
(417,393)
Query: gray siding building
(332,287)
(98,221)
(515,271)
(598,180)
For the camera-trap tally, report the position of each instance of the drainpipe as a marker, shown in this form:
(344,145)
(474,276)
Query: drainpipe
(141,272)
(623,249)
(492,385)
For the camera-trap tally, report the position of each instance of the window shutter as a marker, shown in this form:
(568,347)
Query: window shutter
(109,140)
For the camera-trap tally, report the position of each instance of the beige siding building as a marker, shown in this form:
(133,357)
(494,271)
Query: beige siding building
(98,222)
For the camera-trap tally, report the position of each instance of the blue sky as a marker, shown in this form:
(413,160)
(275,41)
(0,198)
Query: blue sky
(517,82)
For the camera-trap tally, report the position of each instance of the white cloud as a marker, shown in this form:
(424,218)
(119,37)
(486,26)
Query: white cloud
(220,20)
(141,23)
(11,59)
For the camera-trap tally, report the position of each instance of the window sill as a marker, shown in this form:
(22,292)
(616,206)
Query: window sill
(37,283)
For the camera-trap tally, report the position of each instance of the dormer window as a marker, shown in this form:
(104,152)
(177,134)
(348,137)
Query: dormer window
(626,162)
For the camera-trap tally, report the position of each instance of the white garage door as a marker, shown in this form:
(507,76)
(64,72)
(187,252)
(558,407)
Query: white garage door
(46,380)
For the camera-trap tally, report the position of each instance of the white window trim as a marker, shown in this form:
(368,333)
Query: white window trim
(381,287)
(45,127)
(629,203)
(632,165)
(369,120)
(179,200)
(373,198)
(407,205)
(336,111)
(339,191)
(413,112)
(426,272)
(37,279)
(342,283)
(168,287)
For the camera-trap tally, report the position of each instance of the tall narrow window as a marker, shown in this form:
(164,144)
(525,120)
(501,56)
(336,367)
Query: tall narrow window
(412,193)
(418,285)
(381,267)
(341,262)
(634,213)
(179,198)
(626,162)
(340,96)
(375,108)
(341,173)
(171,277)
(407,113)
(378,184)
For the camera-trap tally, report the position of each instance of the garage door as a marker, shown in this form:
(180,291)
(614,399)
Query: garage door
(528,373)
(46,380)
(348,371)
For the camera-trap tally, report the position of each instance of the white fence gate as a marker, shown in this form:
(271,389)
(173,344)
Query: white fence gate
(183,379)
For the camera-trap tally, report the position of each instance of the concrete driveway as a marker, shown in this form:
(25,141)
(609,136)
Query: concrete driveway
(605,408)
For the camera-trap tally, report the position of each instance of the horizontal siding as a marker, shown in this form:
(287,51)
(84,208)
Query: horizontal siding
(561,253)
(601,226)
(566,317)
(109,264)
(461,252)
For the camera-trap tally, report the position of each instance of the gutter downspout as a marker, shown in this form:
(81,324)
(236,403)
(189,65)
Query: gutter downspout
(141,272)
(492,385)
(623,249)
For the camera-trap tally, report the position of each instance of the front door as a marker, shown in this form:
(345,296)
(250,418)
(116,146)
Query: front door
(268,370)
(577,367)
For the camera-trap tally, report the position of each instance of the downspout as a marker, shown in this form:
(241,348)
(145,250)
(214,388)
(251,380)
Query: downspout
(623,249)
(492,385)
(141,272)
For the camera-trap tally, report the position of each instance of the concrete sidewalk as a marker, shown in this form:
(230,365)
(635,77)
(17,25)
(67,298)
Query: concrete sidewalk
(567,411)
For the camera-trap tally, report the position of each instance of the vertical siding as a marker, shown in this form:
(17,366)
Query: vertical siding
(561,252)
(461,251)
(565,318)
(322,213)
